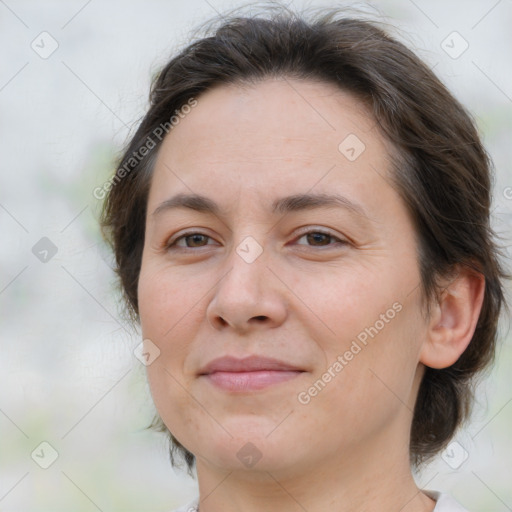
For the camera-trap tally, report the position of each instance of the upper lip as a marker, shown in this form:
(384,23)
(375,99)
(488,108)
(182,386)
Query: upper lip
(247,364)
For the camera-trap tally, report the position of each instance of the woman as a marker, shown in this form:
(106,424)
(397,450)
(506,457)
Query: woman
(301,226)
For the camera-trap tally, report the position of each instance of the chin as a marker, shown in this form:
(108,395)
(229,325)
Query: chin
(255,452)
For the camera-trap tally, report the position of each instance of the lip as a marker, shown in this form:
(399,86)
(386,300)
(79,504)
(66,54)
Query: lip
(247,364)
(248,374)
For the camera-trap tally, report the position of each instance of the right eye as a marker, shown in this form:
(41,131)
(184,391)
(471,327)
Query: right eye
(190,240)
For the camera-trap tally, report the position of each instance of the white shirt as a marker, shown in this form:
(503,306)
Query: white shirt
(444,503)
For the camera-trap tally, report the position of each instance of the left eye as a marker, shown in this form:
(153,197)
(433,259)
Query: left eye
(319,239)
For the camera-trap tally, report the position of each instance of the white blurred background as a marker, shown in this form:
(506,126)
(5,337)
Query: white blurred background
(67,370)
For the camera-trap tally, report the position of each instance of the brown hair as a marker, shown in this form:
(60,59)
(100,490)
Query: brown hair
(440,169)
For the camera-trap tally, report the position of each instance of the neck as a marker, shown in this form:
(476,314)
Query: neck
(366,479)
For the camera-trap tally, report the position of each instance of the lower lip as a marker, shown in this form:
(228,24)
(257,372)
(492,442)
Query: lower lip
(250,381)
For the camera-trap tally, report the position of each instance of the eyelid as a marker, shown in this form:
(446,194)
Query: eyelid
(318,229)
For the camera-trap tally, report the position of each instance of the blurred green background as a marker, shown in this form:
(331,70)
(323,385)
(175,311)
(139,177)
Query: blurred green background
(74,81)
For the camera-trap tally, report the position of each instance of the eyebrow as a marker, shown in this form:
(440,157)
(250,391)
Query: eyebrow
(292,203)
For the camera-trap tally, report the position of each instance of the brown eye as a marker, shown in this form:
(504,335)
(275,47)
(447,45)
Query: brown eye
(320,239)
(196,240)
(190,241)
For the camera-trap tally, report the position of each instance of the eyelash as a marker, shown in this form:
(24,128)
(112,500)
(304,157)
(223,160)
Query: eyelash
(172,245)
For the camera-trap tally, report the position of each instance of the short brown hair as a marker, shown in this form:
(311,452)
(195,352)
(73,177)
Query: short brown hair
(440,169)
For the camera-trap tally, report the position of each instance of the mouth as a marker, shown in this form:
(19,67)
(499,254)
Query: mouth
(249,374)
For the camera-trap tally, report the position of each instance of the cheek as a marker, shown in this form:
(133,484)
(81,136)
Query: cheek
(372,347)
(166,317)
(375,379)
(165,299)
(170,315)
(346,303)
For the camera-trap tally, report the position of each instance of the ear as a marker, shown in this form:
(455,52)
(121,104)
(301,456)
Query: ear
(453,319)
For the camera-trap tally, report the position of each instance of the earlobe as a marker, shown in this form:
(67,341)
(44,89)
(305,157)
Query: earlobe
(453,319)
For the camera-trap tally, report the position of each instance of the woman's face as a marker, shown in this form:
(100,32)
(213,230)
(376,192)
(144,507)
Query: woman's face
(328,288)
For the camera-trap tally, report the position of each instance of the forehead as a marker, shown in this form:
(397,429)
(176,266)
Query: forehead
(282,134)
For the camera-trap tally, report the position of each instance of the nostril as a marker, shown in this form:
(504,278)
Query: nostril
(261,317)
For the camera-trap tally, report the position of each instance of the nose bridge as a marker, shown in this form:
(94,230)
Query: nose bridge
(246,294)
(247,270)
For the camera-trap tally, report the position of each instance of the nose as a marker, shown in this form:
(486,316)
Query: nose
(248,297)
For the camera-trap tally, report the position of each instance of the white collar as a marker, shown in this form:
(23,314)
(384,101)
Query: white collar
(444,503)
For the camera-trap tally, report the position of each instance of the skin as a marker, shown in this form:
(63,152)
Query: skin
(303,300)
